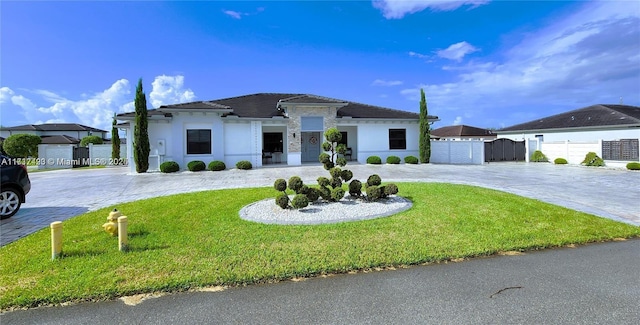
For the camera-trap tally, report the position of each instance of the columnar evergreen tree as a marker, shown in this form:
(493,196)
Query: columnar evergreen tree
(425,132)
(115,140)
(141,147)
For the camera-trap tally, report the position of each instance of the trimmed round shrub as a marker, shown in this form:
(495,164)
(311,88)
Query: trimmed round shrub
(375,160)
(328,165)
(346,175)
(324,158)
(560,161)
(592,159)
(326,146)
(280,185)
(633,166)
(323,181)
(313,194)
(335,172)
(196,165)
(374,180)
(538,156)
(336,182)
(91,139)
(373,193)
(244,164)
(411,160)
(304,189)
(295,183)
(337,194)
(333,135)
(394,160)
(341,161)
(355,188)
(282,200)
(169,167)
(299,201)
(217,165)
(325,193)
(391,189)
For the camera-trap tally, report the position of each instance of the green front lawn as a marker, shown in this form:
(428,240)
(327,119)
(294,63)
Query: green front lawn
(194,240)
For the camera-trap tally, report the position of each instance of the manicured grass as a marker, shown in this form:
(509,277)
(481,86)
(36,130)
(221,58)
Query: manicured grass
(193,240)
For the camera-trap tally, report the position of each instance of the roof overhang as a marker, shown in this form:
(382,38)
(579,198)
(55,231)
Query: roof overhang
(575,129)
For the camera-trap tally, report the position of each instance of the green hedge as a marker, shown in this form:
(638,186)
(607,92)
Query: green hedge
(196,165)
(244,164)
(394,160)
(169,167)
(560,161)
(633,166)
(592,159)
(375,160)
(411,160)
(538,156)
(217,165)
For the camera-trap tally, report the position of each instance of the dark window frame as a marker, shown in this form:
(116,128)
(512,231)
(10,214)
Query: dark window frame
(344,138)
(197,142)
(272,141)
(397,139)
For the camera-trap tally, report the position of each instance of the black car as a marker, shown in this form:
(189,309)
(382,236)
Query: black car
(15,186)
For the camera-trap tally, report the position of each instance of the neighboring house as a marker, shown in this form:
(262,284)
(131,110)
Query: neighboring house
(612,131)
(270,128)
(462,132)
(55,133)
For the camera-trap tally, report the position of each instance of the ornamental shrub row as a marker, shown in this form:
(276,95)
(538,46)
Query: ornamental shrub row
(393,160)
(633,166)
(194,166)
(538,156)
(560,161)
(592,159)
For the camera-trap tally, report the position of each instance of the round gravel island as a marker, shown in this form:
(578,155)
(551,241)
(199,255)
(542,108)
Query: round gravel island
(348,209)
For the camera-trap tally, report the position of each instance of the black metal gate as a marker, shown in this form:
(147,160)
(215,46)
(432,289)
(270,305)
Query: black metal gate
(504,150)
(80,157)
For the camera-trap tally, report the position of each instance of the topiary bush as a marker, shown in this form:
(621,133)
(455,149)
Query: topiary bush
(346,175)
(244,164)
(538,156)
(411,160)
(337,194)
(323,181)
(592,159)
(300,201)
(633,166)
(355,188)
(313,194)
(391,189)
(280,185)
(374,180)
(373,193)
(374,160)
(295,184)
(169,167)
(394,160)
(196,165)
(560,161)
(282,200)
(217,165)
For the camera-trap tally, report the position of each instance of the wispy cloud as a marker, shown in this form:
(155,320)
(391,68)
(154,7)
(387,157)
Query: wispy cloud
(458,120)
(238,15)
(385,83)
(587,58)
(457,51)
(169,90)
(396,9)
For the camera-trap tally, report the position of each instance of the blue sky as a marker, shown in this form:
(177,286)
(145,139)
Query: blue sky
(482,63)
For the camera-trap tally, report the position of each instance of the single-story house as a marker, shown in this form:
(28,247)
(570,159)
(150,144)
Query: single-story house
(612,131)
(269,128)
(55,133)
(462,132)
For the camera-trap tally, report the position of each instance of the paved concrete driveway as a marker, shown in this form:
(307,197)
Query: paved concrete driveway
(61,194)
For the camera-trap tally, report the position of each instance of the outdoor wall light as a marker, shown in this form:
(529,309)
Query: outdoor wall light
(294,135)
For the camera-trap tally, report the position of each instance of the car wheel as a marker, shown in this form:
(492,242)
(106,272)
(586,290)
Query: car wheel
(9,203)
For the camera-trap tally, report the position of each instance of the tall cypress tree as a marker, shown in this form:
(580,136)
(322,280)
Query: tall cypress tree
(141,147)
(115,140)
(425,132)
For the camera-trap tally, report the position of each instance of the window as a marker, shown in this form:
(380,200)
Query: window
(397,139)
(540,137)
(344,138)
(272,142)
(198,142)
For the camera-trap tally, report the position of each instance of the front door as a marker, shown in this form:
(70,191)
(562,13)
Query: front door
(310,146)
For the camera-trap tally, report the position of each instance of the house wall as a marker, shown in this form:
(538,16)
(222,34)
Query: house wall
(373,139)
(457,152)
(577,136)
(240,141)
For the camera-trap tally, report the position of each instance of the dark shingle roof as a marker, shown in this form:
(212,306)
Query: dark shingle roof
(52,127)
(462,131)
(591,116)
(264,105)
(59,139)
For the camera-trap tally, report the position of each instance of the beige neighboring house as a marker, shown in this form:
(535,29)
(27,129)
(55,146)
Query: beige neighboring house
(462,132)
(55,133)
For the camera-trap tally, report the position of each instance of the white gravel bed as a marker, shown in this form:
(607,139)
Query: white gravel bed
(348,209)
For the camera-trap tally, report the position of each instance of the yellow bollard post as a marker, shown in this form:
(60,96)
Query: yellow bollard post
(56,239)
(122,233)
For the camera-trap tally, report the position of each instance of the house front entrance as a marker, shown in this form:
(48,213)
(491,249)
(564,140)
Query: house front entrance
(310,146)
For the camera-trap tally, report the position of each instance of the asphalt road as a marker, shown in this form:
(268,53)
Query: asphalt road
(592,284)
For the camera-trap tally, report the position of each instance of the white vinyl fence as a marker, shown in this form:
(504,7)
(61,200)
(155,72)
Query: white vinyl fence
(457,152)
(573,152)
(61,156)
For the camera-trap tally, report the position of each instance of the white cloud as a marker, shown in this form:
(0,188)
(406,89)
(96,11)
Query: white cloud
(457,51)
(233,14)
(590,57)
(396,9)
(458,120)
(5,94)
(169,90)
(419,55)
(385,83)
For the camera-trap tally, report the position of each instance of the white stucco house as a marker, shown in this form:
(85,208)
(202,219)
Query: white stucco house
(268,128)
(55,133)
(612,131)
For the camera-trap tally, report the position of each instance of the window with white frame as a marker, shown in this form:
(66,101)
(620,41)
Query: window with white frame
(397,139)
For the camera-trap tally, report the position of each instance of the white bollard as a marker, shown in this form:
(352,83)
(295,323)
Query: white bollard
(122,234)
(56,239)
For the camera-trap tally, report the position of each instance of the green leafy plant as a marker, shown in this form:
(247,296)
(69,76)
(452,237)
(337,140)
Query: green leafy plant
(424,141)
(592,159)
(244,164)
(374,160)
(355,188)
(217,165)
(169,167)
(21,145)
(280,185)
(633,166)
(394,160)
(282,200)
(411,160)
(374,180)
(91,139)
(141,146)
(300,201)
(538,156)
(196,165)
(330,159)
(295,184)
(115,139)
(560,161)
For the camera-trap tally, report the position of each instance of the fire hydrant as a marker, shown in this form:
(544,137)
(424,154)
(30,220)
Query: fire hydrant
(111,226)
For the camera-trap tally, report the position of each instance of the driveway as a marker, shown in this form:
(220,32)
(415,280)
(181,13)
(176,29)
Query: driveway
(62,194)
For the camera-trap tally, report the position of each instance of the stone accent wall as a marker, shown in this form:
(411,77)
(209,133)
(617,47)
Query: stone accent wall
(295,122)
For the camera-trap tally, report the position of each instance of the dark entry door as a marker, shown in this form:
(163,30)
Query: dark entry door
(504,150)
